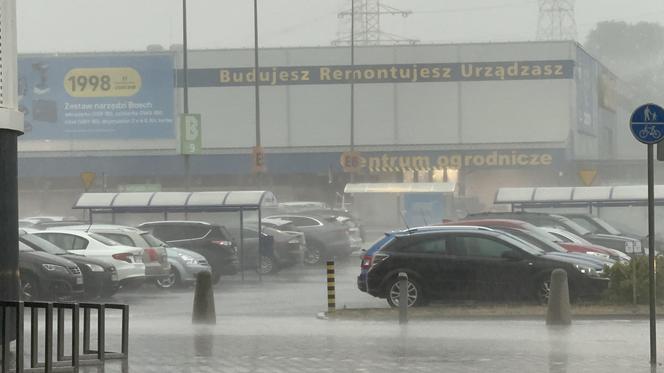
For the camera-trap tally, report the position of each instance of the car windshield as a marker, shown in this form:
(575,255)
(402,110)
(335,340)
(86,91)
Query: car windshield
(608,228)
(571,226)
(41,244)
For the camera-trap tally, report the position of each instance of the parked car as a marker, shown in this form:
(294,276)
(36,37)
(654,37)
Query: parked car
(558,221)
(569,239)
(185,266)
(155,257)
(356,229)
(99,276)
(212,241)
(278,249)
(128,261)
(42,222)
(461,262)
(46,277)
(326,237)
(539,237)
(598,225)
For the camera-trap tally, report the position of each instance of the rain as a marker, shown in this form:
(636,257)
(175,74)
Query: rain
(331,186)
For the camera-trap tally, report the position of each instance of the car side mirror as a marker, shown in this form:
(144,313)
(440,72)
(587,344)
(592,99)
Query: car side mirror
(511,255)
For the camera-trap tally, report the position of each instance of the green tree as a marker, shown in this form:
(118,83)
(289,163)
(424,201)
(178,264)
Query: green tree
(634,52)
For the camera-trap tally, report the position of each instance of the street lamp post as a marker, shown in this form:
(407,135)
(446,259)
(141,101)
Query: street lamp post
(352,84)
(185,93)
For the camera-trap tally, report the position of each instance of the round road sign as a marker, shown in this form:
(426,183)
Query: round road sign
(647,124)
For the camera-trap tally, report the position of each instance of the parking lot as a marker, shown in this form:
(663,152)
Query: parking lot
(271,326)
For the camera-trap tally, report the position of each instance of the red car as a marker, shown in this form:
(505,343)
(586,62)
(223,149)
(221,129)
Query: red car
(539,237)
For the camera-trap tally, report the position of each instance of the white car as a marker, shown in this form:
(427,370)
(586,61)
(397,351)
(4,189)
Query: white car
(562,235)
(127,260)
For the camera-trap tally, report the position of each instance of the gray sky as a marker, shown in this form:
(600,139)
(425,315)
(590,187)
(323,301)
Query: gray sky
(103,25)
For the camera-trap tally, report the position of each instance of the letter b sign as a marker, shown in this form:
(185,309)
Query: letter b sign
(190,134)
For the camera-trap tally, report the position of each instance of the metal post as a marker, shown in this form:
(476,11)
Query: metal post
(352,83)
(125,330)
(242,244)
(60,348)
(34,337)
(651,256)
(260,229)
(5,339)
(9,280)
(331,294)
(403,298)
(48,343)
(257,77)
(101,333)
(86,330)
(75,336)
(19,337)
(185,90)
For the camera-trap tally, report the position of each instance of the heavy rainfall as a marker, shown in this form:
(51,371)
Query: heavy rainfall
(331,186)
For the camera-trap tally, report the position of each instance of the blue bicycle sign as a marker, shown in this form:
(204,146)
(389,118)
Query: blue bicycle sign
(647,124)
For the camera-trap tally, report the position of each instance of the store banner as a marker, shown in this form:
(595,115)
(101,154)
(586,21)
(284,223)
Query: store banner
(462,159)
(97,97)
(383,73)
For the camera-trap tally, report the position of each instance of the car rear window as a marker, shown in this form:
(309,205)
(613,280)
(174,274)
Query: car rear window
(104,240)
(152,240)
(44,245)
(120,238)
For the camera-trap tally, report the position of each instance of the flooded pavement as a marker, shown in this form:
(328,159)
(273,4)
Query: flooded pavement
(271,327)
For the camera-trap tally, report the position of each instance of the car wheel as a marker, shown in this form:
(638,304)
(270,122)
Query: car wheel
(29,288)
(312,255)
(415,295)
(543,290)
(267,265)
(170,282)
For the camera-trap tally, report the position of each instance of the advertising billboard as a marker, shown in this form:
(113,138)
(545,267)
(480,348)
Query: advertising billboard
(97,97)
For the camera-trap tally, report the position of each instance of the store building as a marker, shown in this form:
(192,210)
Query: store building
(482,115)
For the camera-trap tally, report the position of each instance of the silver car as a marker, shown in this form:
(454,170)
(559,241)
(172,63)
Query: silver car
(185,265)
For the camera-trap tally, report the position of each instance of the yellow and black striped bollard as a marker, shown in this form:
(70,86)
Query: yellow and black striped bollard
(331,302)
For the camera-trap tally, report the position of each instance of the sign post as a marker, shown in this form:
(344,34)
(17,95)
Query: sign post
(647,126)
(258,155)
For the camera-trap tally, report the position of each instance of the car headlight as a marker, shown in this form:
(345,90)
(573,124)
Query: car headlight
(187,259)
(95,267)
(588,271)
(54,268)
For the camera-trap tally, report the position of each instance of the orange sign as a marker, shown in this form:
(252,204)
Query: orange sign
(259,159)
(351,161)
(88,178)
(587,176)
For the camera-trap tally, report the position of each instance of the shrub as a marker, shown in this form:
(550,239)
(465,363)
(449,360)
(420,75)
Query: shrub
(620,285)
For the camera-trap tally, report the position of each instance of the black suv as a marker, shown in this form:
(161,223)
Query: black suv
(212,241)
(476,263)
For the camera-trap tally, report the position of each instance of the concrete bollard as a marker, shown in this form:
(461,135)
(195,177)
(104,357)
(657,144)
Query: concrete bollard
(403,298)
(204,311)
(559,310)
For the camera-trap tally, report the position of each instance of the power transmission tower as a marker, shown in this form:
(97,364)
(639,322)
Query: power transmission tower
(556,20)
(367,15)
